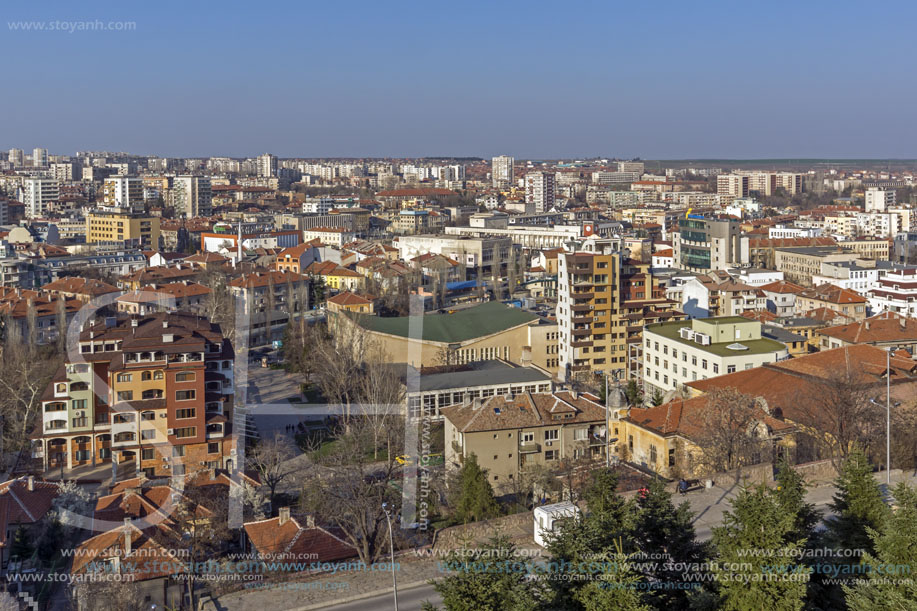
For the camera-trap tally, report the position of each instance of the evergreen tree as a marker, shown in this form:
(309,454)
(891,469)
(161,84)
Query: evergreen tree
(657,398)
(606,528)
(476,499)
(896,546)
(616,587)
(20,548)
(633,393)
(664,535)
(790,494)
(755,566)
(50,540)
(488,578)
(857,505)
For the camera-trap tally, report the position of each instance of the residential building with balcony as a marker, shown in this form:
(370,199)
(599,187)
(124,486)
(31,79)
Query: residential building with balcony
(511,433)
(154,392)
(840,300)
(719,294)
(895,292)
(272,299)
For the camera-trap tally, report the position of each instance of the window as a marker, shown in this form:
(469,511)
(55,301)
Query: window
(125,395)
(551,435)
(158,375)
(184,395)
(79,403)
(703,364)
(528,437)
(694,361)
(630,443)
(550,455)
(153,393)
(104,453)
(213,448)
(188,431)
(672,457)
(185,376)
(674,353)
(730,369)
(716,368)
(148,434)
(580,434)
(148,416)
(125,377)
(188,412)
(146,375)
(82,455)
(147,454)
(652,454)
(178,451)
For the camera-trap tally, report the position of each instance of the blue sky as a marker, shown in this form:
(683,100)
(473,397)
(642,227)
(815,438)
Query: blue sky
(533,79)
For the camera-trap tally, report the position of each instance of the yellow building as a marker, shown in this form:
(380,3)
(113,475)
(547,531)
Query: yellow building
(110,226)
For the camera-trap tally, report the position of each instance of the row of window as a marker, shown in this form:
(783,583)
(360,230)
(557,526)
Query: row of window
(156,393)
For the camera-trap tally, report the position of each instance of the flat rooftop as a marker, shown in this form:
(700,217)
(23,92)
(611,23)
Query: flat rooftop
(481,373)
(669,330)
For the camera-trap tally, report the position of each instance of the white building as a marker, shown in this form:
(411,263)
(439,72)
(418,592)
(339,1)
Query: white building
(39,158)
(322,205)
(782,231)
(501,170)
(539,190)
(878,200)
(267,165)
(192,195)
(16,157)
(37,193)
(549,517)
(895,292)
(678,352)
(123,192)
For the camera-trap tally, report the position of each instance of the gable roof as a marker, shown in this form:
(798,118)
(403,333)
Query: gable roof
(526,410)
(884,327)
(834,294)
(290,540)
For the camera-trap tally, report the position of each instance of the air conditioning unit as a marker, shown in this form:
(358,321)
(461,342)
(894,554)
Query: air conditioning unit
(548,443)
(167,466)
(702,338)
(686,333)
(163,415)
(170,432)
(166,459)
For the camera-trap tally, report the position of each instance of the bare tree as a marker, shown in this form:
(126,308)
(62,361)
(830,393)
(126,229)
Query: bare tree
(219,306)
(381,396)
(338,357)
(837,414)
(108,595)
(353,495)
(25,371)
(270,458)
(729,433)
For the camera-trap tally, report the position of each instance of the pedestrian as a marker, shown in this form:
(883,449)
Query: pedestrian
(683,487)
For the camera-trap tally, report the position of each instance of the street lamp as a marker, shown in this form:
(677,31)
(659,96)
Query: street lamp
(888,415)
(391,548)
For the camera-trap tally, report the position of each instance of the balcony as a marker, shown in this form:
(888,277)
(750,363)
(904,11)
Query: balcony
(583,307)
(579,295)
(529,447)
(583,343)
(582,320)
(582,332)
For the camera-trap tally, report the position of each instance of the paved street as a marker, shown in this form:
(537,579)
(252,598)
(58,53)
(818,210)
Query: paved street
(408,600)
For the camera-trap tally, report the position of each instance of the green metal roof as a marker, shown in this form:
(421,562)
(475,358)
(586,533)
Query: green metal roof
(479,321)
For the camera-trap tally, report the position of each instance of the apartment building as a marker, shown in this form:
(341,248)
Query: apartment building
(501,171)
(879,200)
(272,299)
(125,192)
(704,244)
(540,190)
(490,255)
(192,196)
(800,265)
(868,247)
(510,434)
(736,185)
(719,294)
(675,353)
(37,194)
(591,332)
(780,297)
(155,390)
(895,292)
(831,297)
(124,227)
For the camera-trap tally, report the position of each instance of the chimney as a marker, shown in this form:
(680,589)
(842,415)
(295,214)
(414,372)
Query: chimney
(165,324)
(127,537)
(310,521)
(867,325)
(284,515)
(30,483)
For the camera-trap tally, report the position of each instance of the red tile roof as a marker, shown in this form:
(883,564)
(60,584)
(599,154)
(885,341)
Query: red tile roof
(290,540)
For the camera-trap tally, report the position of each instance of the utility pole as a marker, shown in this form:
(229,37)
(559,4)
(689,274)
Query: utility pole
(888,417)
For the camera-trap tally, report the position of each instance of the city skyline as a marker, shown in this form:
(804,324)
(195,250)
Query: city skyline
(420,81)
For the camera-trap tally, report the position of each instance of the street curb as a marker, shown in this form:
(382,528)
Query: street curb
(356,597)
